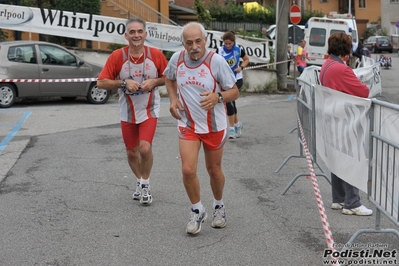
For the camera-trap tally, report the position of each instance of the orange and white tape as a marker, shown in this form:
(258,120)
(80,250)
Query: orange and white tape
(266,65)
(95,79)
(50,80)
(316,190)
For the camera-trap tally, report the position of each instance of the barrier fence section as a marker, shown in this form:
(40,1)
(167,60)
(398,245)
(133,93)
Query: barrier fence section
(383,154)
(305,106)
(383,178)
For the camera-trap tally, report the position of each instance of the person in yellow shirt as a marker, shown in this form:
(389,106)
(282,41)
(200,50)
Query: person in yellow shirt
(301,57)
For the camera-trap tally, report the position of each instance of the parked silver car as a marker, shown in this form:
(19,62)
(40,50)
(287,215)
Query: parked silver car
(24,60)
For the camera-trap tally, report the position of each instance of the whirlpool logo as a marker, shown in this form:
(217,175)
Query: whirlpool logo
(15,16)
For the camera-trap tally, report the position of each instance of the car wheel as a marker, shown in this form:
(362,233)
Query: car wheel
(69,99)
(96,95)
(8,95)
(390,51)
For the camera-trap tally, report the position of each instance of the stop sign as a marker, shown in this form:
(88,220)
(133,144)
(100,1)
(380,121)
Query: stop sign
(295,14)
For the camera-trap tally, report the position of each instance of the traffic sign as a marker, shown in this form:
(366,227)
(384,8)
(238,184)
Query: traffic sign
(295,14)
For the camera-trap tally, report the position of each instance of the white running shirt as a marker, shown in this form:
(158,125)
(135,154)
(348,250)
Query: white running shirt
(210,73)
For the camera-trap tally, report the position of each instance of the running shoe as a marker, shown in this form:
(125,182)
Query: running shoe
(232,133)
(361,211)
(196,219)
(238,128)
(146,197)
(137,193)
(219,217)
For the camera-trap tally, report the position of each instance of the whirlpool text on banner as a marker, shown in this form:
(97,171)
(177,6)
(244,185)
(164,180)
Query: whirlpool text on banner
(111,30)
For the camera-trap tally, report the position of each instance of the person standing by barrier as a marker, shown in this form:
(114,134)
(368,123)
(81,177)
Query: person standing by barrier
(199,82)
(232,54)
(345,197)
(136,71)
(301,56)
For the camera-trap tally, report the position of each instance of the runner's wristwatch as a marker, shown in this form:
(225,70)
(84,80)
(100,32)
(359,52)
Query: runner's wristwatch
(220,97)
(123,84)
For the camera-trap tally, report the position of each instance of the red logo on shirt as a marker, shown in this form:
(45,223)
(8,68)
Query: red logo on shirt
(202,73)
(181,73)
(147,66)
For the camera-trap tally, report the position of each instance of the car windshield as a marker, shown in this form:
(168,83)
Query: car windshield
(383,39)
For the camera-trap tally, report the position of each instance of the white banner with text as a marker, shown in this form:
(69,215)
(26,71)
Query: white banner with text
(342,134)
(111,30)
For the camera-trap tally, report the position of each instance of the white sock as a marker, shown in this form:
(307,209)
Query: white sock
(217,202)
(145,182)
(197,206)
(231,127)
(138,181)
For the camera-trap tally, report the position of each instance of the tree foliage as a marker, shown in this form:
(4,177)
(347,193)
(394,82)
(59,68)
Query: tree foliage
(86,6)
(231,11)
(203,15)
(308,14)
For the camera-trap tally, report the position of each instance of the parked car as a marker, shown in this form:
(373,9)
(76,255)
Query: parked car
(378,44)
(43,60)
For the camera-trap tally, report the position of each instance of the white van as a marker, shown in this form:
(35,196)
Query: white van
(318,30)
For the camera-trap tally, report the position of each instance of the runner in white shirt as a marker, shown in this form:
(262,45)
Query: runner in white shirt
(136,71)
(199,82)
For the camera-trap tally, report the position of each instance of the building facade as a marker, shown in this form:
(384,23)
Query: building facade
(390,19)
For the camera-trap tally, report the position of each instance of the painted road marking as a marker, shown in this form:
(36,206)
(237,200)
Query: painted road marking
(14,131)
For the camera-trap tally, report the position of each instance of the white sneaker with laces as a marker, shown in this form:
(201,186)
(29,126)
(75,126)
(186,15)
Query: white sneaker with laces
(361,211)
(232,133)
(137,194)
(219,217)
(196,219)
(146,197)
(238,129)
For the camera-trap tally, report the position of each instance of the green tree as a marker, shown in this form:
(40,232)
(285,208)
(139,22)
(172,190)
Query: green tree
(203,15)
(231,11)
(79,6)
(310,13)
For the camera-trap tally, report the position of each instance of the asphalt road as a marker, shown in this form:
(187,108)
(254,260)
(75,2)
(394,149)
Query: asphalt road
(66,191)
(390,79)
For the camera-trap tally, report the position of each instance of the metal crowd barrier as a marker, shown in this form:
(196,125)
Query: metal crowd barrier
(383,178)
(305,105)
(383,172)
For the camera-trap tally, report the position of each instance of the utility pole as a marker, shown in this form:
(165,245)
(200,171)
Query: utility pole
(281,42)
